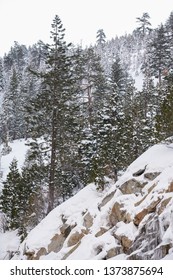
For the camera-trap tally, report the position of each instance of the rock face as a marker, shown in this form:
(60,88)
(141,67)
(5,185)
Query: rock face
(118,214)
(132,186)
(132,218)
(147,244)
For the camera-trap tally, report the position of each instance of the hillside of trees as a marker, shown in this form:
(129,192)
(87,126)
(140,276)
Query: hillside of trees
(82,113)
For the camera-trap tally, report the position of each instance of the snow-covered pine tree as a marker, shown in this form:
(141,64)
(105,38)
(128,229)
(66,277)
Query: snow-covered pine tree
(120,105)
(169,29)
(12,116)
(34,181)
(164,117)
(93,94)
(12,197)
(144,24)
(18,54)
(51,110)
(10,111)
(117,76)
(101,38)
(159,53)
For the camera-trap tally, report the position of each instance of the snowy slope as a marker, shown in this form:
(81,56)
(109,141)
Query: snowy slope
(18,151)
(9,241)
(131,219)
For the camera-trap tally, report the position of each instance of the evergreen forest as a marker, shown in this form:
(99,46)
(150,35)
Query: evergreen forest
(82,112)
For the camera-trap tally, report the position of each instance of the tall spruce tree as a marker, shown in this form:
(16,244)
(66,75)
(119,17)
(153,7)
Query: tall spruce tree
(51,115)
(169,29)
(159,53)
(144,24)
(93,87)
(101,37)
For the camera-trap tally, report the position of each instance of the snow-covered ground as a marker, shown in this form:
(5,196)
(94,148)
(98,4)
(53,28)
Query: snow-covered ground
(93,245)
(19,149)
(9,242)
(87,219)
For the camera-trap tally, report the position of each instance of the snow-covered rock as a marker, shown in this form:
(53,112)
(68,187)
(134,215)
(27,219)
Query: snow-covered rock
(130,219)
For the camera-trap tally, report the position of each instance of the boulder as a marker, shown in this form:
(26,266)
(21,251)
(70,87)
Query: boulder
(106,199)
(56,243)
(101,231)
(88,220)
(139,172)
(74,238)
(65,229)
(163,205)
(71,251)
(151,208)
(132,186)
(114,252)
(149,190)
(126,243)
(170,188)
(151,175)
(140,201)
(32,256)
(41,252)
(119,214)
(139,217)
(29,254)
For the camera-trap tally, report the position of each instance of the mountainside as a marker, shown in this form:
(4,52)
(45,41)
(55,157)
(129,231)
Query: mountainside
(87,114)
(131,219)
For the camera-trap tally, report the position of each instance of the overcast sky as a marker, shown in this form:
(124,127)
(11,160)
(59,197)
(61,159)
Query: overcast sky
(27,21)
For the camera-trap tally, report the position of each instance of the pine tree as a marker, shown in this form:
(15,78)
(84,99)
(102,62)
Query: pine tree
(164,117)
(51,110)
(12,116)
(159,53)
(13,97)
(93,91)
(18,54)
(34,181)
(12,197)
(21,200)
(93,84)
(118,75)
(101,37)
(144,24)
(169,30)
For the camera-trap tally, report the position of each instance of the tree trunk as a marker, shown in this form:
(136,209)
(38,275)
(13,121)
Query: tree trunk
(52,164)
(160,77)
(90,106)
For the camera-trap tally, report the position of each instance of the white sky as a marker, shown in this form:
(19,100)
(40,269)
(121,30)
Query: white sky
(27,21)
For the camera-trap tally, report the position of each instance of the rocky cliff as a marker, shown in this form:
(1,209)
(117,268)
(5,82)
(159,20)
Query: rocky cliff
(131,219)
